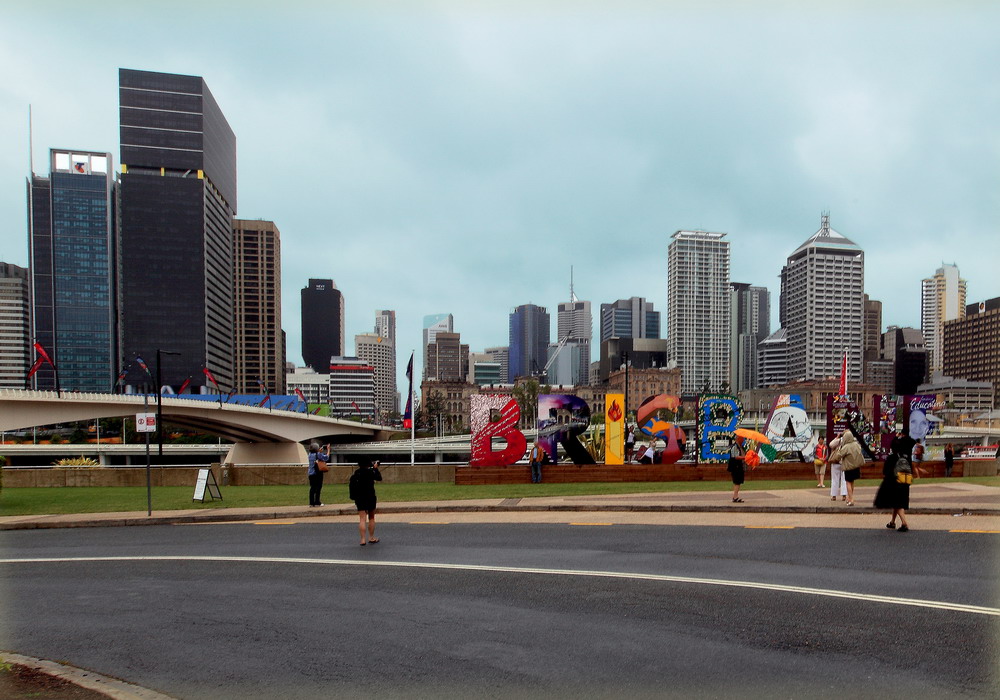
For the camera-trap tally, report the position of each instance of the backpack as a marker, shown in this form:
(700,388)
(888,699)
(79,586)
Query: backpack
(903,471)
(354,486)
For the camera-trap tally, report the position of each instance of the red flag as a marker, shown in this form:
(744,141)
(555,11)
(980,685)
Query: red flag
(34,367)
(211,379)
(264,401)
(145,367)
(42,354)
(843,375)
(185,385)
(356,408)
(298,392)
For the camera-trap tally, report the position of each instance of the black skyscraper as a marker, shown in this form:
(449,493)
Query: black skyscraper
(177,199)
(322,324)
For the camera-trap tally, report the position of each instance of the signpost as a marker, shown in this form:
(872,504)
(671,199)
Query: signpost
(206,479)
(146,423)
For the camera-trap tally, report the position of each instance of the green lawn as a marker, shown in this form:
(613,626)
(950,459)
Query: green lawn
(41,501)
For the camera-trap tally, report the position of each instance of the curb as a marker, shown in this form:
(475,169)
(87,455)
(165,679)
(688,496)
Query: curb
(112,687)
(217,517)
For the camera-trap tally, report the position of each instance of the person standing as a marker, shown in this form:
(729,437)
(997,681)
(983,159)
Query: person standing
(894,491)
(736,468)
(949,459)
(819,462)
(318,458)
(837,483)
(850,458)
(362,492)
(536,456)
(629,444)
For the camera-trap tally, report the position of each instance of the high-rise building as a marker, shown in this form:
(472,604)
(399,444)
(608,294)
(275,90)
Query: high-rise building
(352,388)
(72,264)
(638,353)
(501,355)
(177,200)
(379,352)
(322,323)
(698,308)
(259,351)
(772,359)
(942,299)
(872,339)
(750,323)
(385,327)
(823,284)
(629,318)
(905,347)
(575,324)
(529,341)
(15,325)
(971,348)
(434,324)
(447,359)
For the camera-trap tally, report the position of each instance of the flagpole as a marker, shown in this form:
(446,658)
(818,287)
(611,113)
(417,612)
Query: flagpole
(413,411)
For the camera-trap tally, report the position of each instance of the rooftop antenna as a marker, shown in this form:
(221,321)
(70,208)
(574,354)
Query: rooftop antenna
(572,296)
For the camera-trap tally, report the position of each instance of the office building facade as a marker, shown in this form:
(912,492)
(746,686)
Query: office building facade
(529,333)
(352,388)
(575,324)
(629,318)
(322,307)
(71,248)
(379,352)
(15,325)
(258,350)
(698,309)
(750,323)
(177,200)
(501,355)
(823,285)
(942,299)
(971,347)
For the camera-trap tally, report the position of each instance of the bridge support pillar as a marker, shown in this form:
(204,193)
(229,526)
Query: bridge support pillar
(266,453)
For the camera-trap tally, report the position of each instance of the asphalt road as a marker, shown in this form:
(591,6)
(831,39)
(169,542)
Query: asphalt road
(298,610)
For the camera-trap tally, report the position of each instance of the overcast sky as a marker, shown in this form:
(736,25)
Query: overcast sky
(460,156)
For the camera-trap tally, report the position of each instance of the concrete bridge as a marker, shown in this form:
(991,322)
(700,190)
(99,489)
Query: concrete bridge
(259,435)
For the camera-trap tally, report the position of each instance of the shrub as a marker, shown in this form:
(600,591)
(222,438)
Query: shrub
(76,462)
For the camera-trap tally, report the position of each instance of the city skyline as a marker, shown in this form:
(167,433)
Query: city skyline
(430,152)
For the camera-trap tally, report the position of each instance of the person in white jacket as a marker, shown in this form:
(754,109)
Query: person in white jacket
(837,483)
(850,459)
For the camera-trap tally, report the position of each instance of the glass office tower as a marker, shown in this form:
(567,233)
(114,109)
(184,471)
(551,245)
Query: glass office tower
(178,200)
(71,248)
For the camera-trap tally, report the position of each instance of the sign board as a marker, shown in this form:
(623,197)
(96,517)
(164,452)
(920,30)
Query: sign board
(145,422)
(206,480)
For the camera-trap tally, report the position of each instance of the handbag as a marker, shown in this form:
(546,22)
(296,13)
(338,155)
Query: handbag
(904,473)
(321,465)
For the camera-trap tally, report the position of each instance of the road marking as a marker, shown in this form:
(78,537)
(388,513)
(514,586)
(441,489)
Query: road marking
(769,527)
(592,524)
(823,592)
(981,532)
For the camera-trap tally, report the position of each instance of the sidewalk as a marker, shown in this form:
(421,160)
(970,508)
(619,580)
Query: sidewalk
(938,499)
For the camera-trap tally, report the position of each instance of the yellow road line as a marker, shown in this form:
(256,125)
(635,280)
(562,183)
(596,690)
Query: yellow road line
(769,527)
(980,532)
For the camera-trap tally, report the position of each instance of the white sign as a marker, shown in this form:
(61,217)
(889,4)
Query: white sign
(145,422)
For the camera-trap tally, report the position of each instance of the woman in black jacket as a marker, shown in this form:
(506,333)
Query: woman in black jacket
(891,493)
(362,492)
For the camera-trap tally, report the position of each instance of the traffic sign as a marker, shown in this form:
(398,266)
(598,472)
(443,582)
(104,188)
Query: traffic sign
(145,422)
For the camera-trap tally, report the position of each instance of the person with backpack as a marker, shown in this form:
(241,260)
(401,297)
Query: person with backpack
(361,490)
(897,474)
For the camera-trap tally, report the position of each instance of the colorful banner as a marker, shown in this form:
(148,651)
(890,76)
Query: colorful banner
(495,415)
(844,414)
(789,428)
(655,416)
(614,429)
(718,416)
(561,418)
(919,416)
(887,410)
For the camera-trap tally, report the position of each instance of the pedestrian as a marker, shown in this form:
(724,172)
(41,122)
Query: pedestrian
(849,457)
(918,453)
(318,459)
(838,486)
(736,469)
(362,492)
(819,462)
(897,473)
(949,459)
(535,457)
(629,443)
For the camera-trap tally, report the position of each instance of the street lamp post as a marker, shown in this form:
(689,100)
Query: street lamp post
(159,401)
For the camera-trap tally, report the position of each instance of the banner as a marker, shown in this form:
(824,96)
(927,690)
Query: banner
(718,416)
(561,418)
(614,429)
(656,416)
(789,428)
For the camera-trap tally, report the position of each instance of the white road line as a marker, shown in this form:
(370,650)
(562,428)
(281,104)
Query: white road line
(828,593)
